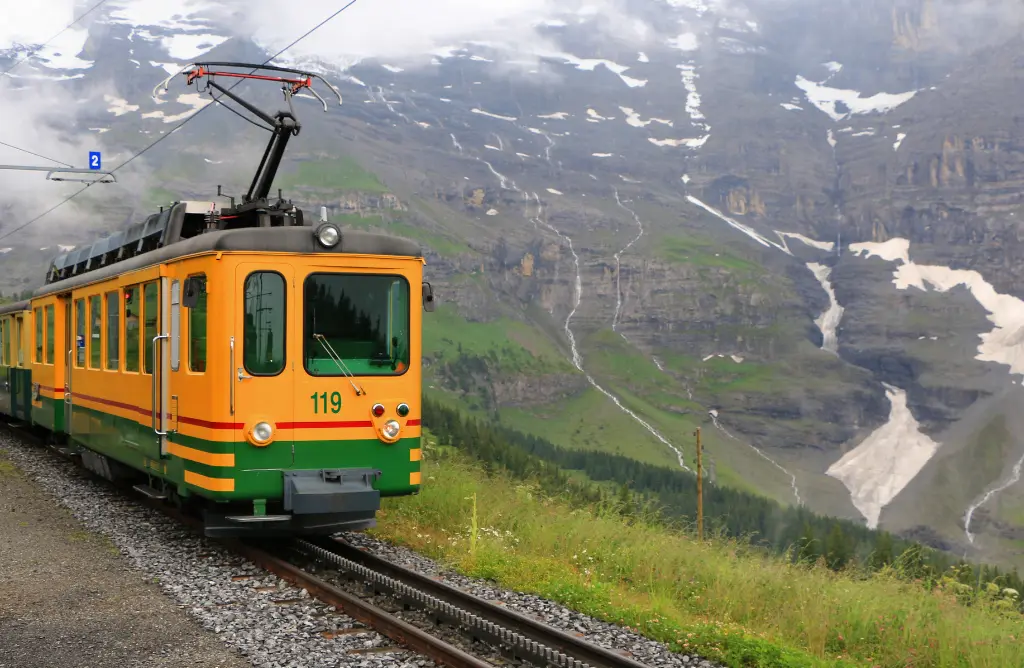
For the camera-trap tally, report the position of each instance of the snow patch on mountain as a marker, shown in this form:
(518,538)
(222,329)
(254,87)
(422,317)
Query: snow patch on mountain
(1002,344)
(633,118)
(886,461)
(826,98)
(827,322)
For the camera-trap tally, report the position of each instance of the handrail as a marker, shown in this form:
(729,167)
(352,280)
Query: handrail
(231,375)
(157,366)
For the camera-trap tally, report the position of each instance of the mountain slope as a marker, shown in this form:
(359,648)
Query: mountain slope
(806,246)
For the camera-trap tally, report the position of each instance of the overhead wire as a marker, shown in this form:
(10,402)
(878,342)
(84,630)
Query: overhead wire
(179,125)
(29,55)
(38,48)
(38,155)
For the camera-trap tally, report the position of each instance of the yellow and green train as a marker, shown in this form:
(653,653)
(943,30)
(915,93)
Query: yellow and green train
(262,369)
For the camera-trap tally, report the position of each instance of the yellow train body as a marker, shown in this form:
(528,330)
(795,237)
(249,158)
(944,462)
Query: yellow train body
(274,381)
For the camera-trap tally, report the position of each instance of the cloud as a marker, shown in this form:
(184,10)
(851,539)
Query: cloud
(42,116)
(412,32)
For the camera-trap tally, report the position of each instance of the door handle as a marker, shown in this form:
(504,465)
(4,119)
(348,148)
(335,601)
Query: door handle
(157,365)
(67,379)
(242,375)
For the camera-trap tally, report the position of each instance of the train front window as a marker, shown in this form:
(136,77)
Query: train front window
(356,324)
(265,302)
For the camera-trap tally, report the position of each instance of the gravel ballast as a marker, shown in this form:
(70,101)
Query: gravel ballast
(67,598)
(263,618)
(604,634)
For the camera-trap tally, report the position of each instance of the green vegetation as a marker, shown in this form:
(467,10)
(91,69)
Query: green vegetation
(6,467)
(617,558)
(158,197)
(336,175)
(473,358)
(447,336)
(698,251)
(394,223)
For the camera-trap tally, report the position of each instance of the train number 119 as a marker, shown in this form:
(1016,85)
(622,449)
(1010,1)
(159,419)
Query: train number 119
(322,398)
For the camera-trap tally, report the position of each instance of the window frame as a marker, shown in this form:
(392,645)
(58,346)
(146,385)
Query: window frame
(81,320)
(50,313)
(206,325)
(136,288)
(40,339)
(305,323)
(95,353)
(115,331)
(146,343)
(284,342)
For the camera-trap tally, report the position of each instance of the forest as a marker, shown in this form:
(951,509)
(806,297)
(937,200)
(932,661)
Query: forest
(669,496)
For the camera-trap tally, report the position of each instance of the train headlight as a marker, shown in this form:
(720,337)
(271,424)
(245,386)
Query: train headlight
(390,430)
(262,433)
(328,235)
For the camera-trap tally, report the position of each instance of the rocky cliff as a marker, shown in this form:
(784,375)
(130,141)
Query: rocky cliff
(791,222)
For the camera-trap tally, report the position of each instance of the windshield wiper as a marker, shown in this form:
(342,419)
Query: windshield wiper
(338,361)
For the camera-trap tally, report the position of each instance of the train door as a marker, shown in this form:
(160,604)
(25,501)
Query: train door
(262,376)
(69,352)
(156,313)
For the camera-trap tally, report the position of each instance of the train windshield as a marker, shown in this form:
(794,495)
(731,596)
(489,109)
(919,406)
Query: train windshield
(356,324)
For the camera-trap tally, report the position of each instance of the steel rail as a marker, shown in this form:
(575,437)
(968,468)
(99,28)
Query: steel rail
(511,632)
(381,621)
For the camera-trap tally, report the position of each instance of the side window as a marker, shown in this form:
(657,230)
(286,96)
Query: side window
(95,332)
(50,344)
(3,342)
(113,330)
(19,324)
(39,335)
(80,332)
(263,348)
(132,311)
(197,333)
(175,324)
(150,313)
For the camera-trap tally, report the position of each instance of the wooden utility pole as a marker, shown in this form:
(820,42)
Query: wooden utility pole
(700,491)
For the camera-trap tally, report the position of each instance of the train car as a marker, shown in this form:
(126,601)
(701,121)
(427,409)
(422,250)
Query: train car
(15,374)
(240,360)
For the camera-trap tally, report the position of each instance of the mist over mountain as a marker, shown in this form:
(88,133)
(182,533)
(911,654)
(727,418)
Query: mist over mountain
(791,222)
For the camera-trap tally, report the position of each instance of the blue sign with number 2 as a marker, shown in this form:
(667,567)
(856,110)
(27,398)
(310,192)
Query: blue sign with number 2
(94,159)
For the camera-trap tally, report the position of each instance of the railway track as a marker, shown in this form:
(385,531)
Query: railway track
(515,635)
(511,634)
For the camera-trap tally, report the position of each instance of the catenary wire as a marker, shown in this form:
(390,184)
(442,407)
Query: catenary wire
(38,155)
(32,53)
(38,48)
(176,128)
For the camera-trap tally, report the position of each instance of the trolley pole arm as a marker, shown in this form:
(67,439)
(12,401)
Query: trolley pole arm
(285,125)
(259,112)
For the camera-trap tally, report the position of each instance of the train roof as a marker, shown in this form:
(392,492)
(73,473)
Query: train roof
(14,307)
(292,239)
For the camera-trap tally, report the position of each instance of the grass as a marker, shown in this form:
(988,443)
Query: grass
(714,597)
(697,251)
(337,175)
(517,346)
(438,242)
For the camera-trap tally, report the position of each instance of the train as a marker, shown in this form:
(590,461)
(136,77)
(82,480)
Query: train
(245,362)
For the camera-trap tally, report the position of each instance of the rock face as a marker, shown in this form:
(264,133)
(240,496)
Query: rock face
(667,214)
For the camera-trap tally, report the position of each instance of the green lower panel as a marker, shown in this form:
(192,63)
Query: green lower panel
(21,393)
(50,414)
(391,460)
(5,390)
(257,471)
